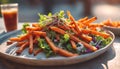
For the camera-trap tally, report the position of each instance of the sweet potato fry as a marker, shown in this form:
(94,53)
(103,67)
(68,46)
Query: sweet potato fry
(14,39)
(70,16)
(86,31)
(24,37)
(35,41)
(74,38)
(20,43)
(33,28)
(82,36)
(58,30)
(62,27)
(39,33)
(118,27)
(31,44)
(73,44)
(87,22)
(19,51)
(83,19)
(66,53)
(115,24)
(85,38)
(9,42)
(93,28)
(118,23)
(37,51)
(78,29)
(74,22)
(80,25)
(51,44)
(35,25)
(23,46)
(96,25)
(67,27)
(74,31)
(108,22)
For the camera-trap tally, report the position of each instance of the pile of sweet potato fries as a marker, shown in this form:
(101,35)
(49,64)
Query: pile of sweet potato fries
(110,23)
(79,34)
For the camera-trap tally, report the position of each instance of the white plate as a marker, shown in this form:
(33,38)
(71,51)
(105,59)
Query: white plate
(40,59)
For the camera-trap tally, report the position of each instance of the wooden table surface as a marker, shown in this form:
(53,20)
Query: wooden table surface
(108,60)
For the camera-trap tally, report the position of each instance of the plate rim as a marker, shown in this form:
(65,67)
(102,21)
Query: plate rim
(65,58)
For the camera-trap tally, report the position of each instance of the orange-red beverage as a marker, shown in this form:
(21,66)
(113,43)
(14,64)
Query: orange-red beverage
(10,16)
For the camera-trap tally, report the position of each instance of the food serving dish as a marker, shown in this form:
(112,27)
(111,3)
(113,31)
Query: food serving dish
(36,61)
(113,26)
(56,40)
(115,30)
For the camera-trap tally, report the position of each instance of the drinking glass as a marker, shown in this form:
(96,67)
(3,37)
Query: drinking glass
(10,16)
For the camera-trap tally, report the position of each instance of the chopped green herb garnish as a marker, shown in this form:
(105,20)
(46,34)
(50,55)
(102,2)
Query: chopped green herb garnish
(66,37)
(106,41)
(43,45)
(61,14)
(23,28)
(49,14)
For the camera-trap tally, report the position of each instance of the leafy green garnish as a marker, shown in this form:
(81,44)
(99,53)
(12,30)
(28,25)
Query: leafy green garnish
(98,38)
(51,18)
(69,48)
(104,41)
(45,19)
(49,14)
(62,41)
(24,28)
(68,20)
(43,45)
(66,37)
(52,34)
(61,14)
(42,19)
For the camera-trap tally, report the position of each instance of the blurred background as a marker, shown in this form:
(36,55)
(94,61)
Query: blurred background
(103,9)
